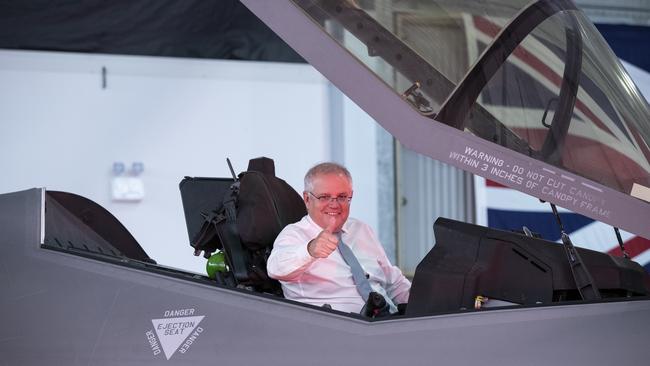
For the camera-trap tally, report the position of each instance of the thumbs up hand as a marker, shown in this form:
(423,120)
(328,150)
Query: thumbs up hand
(325,243)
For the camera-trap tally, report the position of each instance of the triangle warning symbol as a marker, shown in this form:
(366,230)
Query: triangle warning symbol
(172,332)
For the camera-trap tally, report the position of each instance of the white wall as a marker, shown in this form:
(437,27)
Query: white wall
(59,129)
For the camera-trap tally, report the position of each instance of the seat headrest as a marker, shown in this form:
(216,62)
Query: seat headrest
(263,165)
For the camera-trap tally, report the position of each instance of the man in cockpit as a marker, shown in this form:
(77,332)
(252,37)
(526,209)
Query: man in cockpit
(307,258)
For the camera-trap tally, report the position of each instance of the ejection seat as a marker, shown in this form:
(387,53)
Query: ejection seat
(241,217)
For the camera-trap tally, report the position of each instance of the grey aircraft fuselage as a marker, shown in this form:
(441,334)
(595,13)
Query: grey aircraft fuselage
(63,308)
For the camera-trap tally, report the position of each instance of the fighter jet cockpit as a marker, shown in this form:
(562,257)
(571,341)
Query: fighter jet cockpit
(524,93)
(533,77)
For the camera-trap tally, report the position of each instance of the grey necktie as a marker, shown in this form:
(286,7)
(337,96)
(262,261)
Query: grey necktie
(358,274)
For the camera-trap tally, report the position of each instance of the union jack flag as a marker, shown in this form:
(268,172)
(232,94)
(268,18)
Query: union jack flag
(508,209)
(606,145)
(603,142)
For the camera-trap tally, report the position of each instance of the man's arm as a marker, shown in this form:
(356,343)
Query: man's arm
(289,258)
(292,253)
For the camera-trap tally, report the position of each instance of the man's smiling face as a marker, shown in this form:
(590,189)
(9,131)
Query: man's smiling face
(328,185)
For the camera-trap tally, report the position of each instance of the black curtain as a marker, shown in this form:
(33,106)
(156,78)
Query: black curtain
(222,29)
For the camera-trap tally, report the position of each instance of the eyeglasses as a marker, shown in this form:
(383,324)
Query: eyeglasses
(326,198)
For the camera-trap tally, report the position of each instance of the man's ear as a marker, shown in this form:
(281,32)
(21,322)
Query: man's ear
(305,197)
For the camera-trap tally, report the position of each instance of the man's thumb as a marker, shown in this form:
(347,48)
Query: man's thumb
(331,225)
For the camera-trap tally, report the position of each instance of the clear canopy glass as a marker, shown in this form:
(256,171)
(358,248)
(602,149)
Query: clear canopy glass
(535,77)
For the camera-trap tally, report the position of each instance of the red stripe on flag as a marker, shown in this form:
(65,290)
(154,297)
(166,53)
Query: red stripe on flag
(486,26)
(633,247)
(521,53)
(593,159)
(491,183)
(641,142)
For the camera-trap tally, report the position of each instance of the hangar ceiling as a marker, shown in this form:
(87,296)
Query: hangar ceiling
(222,29)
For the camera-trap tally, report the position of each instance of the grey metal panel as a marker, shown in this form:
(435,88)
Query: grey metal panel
(428,189)
(635,12)
(386,193)
(335,103)
(67,310)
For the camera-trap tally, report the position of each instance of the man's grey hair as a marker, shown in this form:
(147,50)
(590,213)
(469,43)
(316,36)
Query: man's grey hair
(324,168)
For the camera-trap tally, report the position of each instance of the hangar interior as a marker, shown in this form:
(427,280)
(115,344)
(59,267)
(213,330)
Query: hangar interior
(158,90)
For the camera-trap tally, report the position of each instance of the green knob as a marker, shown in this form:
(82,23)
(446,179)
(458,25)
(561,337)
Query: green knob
(216,263)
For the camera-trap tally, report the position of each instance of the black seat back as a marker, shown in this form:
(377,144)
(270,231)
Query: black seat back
(242,218)
(266,205)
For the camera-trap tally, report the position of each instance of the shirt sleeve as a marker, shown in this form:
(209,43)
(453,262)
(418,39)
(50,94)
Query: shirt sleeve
(289,258)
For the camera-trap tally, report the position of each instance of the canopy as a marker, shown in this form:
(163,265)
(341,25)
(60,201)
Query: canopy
(527,94)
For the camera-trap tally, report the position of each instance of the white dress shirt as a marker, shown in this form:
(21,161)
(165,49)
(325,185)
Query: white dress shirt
(319,281)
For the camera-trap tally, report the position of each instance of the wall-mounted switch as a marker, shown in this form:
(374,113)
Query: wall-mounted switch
(127,185)
(127,189)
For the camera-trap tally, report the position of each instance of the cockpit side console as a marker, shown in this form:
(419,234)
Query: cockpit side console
(75,223)
(469,261)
